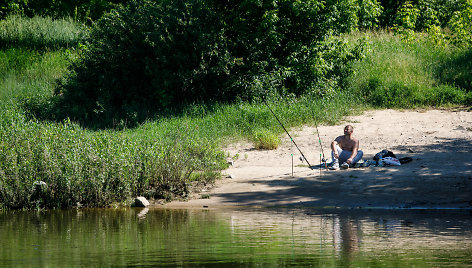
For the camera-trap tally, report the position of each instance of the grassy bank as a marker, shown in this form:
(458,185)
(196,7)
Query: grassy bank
(82,167)
(164,156)
(395,74)
(160,159)
(97,168)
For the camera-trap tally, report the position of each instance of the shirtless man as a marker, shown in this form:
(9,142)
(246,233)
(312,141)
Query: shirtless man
(345,149)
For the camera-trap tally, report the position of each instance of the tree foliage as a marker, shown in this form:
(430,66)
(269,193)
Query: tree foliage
(440,10)
(461,25)
(150,56)
(426,16)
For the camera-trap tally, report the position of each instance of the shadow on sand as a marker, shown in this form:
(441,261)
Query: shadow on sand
(440,176)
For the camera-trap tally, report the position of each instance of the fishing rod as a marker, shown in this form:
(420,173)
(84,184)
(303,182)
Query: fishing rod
(319,139)
(309,165)
(324,160)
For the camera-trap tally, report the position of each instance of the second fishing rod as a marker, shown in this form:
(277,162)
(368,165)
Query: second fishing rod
(278,120)
(324,160)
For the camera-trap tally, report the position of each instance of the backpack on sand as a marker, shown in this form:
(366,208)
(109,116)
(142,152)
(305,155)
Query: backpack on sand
(382,154)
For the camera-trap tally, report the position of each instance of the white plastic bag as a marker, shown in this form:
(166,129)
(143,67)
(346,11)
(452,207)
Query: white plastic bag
(391,161)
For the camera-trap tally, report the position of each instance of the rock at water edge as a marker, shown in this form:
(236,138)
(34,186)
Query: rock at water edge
(140,201)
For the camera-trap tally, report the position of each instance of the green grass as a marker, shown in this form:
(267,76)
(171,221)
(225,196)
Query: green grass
(399,75)
(96,168)
(264,139)
(242,120)
(39,33)
(28,73)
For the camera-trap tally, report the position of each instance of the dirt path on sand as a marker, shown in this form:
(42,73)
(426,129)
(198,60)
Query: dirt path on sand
(440,175)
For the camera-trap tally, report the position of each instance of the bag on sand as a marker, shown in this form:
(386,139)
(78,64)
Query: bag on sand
(391,161)
(384,153)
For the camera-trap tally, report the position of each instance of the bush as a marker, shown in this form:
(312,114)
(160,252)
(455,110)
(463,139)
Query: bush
(468,98)
(97,168)
(369,13)
(142,58)
(151,56)
(393,95)
(439,11)
(461,25)
(444,95)
(264,139)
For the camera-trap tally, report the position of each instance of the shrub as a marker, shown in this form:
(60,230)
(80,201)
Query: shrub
(406,20)
(456,69)
(468,98)
(444,95)
(369,13)
(142,58)
(391,95)
(265,139)
(151,56)
(97,168)
(428,10)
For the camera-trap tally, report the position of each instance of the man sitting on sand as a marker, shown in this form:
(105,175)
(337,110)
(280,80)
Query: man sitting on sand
(345,149)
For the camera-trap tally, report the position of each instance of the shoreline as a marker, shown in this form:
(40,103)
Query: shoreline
(437,140)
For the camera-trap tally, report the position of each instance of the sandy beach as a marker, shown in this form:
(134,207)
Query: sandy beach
(440,175)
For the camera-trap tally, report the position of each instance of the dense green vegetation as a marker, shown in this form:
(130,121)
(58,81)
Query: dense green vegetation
(134,66)
(138,106)
(395,74)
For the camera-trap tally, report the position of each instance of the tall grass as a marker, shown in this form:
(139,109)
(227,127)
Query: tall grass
(241,121)
(39,32)
(96,168)
(27,74)
(397,74)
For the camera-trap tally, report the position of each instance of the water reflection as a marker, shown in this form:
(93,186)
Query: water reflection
(346,236)
(142,214)
(243,237)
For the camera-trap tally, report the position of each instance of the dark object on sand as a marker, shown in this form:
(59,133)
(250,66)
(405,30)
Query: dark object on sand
(405,160)
(382,154)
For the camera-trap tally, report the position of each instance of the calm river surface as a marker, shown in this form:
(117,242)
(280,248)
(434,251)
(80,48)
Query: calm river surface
(236,237)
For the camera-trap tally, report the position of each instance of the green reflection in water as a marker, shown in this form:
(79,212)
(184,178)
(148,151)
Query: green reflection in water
(283,237)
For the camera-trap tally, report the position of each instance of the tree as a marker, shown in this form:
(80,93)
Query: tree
(150,56)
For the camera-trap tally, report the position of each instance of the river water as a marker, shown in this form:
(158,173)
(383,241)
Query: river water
(235,237)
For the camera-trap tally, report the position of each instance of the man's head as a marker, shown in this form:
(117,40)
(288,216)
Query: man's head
(348,130)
